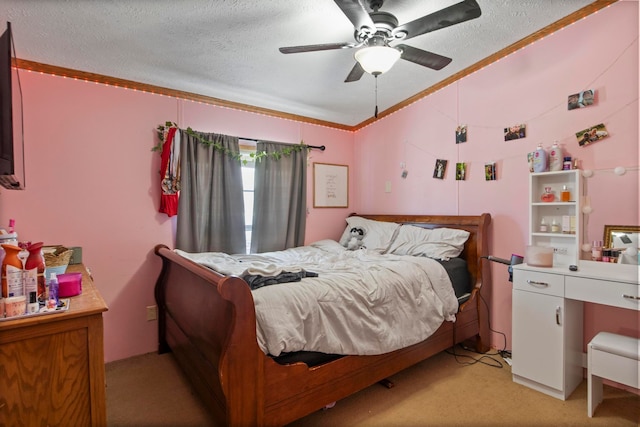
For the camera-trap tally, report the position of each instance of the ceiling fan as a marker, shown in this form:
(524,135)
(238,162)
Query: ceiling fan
(375,32)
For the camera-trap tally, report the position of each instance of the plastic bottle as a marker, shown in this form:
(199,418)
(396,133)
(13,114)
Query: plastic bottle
(543,226)
(540,159)
(53,291)
(12,283)
(596,250)
(556,159)
(33,306)
(8,238)
(35,272)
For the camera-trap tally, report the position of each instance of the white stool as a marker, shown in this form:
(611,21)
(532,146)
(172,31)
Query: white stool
(612,357)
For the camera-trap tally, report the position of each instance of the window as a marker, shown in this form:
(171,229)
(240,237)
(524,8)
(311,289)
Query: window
(248,173)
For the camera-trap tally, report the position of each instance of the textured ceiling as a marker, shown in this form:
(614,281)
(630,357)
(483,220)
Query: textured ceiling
(228,49)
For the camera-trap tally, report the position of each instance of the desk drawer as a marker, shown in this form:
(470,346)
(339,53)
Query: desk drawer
(543,283)
(602,292)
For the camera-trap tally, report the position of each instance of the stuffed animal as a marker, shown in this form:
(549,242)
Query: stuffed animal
(355,241)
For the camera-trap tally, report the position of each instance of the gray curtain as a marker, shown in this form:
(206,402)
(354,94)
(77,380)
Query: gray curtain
(280,199)
(211,206)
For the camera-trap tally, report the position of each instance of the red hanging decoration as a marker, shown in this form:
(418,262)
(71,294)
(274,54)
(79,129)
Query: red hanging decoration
(168,182)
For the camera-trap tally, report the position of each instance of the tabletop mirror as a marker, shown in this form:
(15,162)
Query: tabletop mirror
(621,236)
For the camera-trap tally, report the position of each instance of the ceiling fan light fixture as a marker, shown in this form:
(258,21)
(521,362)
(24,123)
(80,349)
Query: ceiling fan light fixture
(377,59)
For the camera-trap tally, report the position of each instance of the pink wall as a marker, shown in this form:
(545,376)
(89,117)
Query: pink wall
(92,181)
(92,178)
(531,87)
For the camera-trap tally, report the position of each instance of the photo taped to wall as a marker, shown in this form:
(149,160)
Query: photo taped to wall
(439,169)
(581,100)
(592,134)
(490,171)
(461,169)
(515,132)
(461,134)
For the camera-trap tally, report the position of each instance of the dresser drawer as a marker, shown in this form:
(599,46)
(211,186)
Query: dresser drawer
(603,292)
(543,283)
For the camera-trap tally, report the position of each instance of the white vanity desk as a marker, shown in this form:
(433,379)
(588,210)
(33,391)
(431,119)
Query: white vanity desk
(547,318)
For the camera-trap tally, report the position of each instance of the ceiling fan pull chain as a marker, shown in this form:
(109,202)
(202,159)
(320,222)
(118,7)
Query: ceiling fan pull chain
(375,114)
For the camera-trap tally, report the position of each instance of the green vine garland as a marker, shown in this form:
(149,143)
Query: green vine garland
(257,156)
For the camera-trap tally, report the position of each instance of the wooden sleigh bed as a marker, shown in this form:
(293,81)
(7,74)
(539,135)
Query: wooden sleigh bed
(208,321)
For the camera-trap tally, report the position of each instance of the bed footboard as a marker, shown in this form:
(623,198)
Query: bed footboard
(208,322)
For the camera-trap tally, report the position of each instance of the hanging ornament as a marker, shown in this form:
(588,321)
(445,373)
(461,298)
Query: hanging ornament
(620,170)
(587,173)
(586,247)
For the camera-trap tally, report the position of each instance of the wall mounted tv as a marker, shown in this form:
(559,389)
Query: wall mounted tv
(7,155)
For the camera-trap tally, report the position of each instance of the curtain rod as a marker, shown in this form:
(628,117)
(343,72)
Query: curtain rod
(317,147)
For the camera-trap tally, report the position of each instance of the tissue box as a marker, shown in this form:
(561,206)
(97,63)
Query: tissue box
(69,285)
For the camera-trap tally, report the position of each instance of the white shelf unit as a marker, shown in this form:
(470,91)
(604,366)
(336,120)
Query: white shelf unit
(567,246)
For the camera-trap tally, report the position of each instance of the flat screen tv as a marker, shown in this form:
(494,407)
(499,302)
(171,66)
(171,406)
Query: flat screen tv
(7,158)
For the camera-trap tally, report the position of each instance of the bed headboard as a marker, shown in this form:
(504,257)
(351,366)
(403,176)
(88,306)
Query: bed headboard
(476,246)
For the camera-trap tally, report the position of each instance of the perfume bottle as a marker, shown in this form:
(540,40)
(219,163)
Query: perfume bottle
(555,228)
(543,226)
(596,250)
(548,195)
(565,194)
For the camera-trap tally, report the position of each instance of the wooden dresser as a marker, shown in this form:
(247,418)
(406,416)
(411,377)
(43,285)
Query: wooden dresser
(52,366)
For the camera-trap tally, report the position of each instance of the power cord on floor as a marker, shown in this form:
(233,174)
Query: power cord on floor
(485,358)
(504,353)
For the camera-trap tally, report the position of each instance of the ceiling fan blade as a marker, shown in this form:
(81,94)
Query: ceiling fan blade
(316,47)
(422,57)
(455,14)
(357,14)
(355,74)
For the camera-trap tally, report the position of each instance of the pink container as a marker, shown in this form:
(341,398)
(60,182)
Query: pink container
(69,285)
(15,306)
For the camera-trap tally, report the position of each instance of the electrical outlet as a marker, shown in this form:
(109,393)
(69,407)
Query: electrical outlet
(560,251)
(152,312)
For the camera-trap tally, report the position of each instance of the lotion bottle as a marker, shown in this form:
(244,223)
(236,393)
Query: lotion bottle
(35,270)
(12,283)
(540,159)
(556,159)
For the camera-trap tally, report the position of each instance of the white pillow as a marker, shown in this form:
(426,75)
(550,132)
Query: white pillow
(439,243)
(377,234)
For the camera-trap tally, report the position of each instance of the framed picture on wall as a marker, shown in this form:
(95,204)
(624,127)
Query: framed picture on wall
(330,186)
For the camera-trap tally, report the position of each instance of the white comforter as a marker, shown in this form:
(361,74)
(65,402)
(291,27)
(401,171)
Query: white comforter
(361,302)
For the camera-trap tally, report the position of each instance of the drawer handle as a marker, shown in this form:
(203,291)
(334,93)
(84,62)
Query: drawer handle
(534,283)
(631,297)
(558,316)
